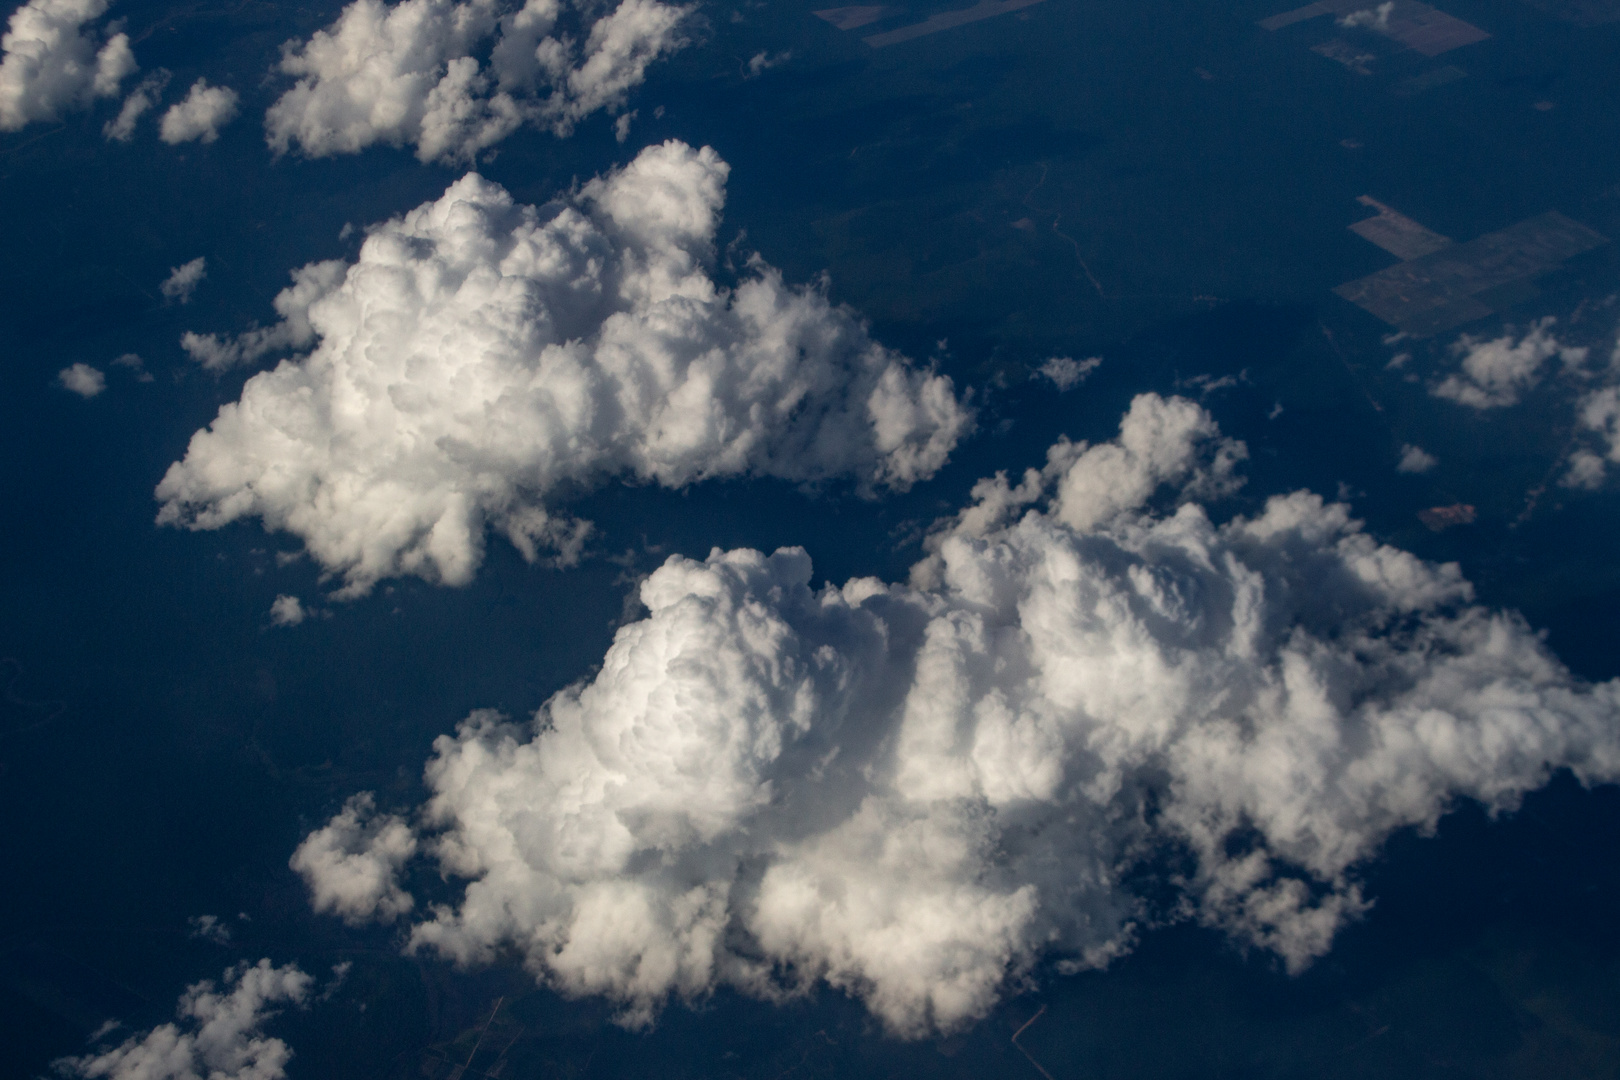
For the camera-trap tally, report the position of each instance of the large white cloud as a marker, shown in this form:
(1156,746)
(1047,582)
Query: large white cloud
(53,61)
(482,355)
(1087,693)
(411,73)
(219,1034)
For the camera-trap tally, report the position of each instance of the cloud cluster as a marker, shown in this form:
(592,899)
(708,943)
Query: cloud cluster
(410,74)
(1496,373)
(1088,697)
(219,1034)
(200,116)
(481,358)
(52,61)
(1597,414)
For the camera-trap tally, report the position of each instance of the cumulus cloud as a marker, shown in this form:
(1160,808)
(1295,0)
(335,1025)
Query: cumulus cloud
(1597,415)
(205,110)
(481,356)
(287,611)
(218,1035)
(183,280)
(1497,372)
(761,62)
(133,363)
(1090,697)
(1066,372)
(52,61)
(139,102)
(82,379)
(1373,18)
(352,863)
(454,79)
(1415,459)
(210,928)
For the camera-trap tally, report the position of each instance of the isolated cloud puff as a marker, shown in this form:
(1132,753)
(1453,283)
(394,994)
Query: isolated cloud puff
(453,79)
(219,1033)
(1091,709)
(1415,459)
(353,862)
(82,379)
(183,280)
(481,357)
(52,61)
(1066,372)
(287,611)
(205,110)
(1497,372)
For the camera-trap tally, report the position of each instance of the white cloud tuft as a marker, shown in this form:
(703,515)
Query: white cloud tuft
(287,611)
(139,102)
(1597,413)
(183,280)
(352,863)
(1372,18)
(481,355)
(762,62)
(210,928)
(205,110)
(1067,372)
(219,1035)
(1415,459)
(409,74)
(1496,373)
(82,379)
(52,64)
(1089,694)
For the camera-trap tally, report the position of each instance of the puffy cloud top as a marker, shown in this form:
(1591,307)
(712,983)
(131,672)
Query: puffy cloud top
(481,354)
(407,74)
(354,860)
(1597,413)
(1090,693)
(205,110)
(183,280)
(51,62)
(219,1034)
(82,379)
(1497,372)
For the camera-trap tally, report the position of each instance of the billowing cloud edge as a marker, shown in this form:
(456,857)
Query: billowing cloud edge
(480,357)
(54,60)
(1088,694)
(218,1032)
